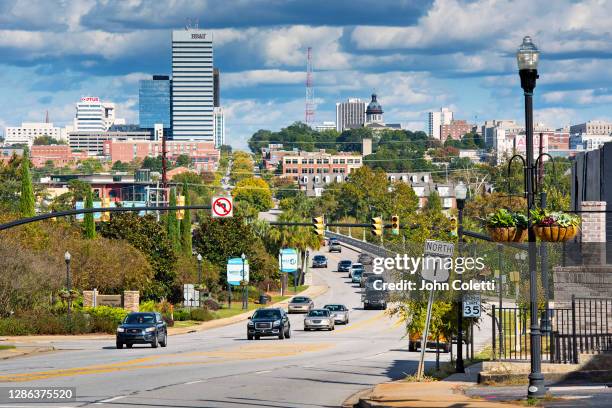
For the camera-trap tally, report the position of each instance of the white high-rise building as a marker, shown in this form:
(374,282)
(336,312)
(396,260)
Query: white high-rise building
(219,121)
(192,85)
(350,114)
(437,119)
(94,115)
(28,131)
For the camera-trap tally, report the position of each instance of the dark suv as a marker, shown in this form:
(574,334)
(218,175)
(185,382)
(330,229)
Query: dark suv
(269,322)
(319,261)
(142,328)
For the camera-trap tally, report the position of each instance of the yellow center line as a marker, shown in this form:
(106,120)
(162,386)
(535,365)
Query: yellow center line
(361,323)
(251,352)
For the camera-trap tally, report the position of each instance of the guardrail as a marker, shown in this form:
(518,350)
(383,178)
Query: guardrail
(364,246)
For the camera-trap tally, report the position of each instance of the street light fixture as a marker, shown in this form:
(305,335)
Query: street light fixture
(199,258)
(460,196)
(527,58)
(67,258)
(245,291)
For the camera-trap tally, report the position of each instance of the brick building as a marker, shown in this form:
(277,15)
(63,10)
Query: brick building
(455,130)
(204,156)
(326,167)
(60,155)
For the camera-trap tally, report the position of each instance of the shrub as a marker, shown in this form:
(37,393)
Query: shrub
(169,321)
(211,304)
(148,306)
(181,315)
(13,326)
(105,319)
(201,315)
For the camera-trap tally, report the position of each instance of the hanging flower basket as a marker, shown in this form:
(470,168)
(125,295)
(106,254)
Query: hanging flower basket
(521,234)
(555,226)
(502,234)
(555,233)
(65,295)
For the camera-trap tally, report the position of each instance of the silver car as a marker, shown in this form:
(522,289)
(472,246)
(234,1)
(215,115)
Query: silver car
(340,313)
(318,319)
(300,304)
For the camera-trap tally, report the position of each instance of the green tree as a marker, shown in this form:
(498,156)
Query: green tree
(172,224)
(26,200)
(186,237)
(151,238)
(120,166)
(254,191)
(183,160)
(88,222)
(434,203)
(46,140)
(90,166)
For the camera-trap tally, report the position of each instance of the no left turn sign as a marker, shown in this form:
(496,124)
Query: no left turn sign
(222,207)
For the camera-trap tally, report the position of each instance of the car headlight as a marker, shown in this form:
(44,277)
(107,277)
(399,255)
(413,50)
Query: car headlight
(277,323)
(120,329)
(150,329)
(250,323)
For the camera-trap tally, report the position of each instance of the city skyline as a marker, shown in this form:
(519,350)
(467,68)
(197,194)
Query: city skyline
(411,55)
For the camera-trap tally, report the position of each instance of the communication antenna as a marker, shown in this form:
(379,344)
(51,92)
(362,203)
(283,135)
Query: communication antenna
(309,111)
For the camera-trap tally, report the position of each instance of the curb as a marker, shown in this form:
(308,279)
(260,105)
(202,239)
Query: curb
(356,399)
(23,351)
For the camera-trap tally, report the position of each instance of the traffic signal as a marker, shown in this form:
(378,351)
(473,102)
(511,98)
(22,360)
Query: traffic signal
(180,202)
(318,225)
(377,226)
(453,226)
(105,202)
(395,226)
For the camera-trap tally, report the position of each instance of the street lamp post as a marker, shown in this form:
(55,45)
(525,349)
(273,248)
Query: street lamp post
(199,257)
(67,257)
(245,291)
(527,58)
(460,196)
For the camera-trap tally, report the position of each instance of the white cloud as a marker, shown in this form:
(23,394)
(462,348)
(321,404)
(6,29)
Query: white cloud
(262,77)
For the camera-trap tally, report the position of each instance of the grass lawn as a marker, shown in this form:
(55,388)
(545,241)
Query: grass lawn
(186,323)
(6,347)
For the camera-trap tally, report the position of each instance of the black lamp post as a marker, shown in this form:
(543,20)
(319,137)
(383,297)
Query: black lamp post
(199,258)
(245,291)
(67,257)
(460,196)
(527,58)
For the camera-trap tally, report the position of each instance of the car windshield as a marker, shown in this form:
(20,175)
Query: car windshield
(267,314)
(335,308)
(357,266)
(300,300)
(345,263)
(140,319)
(319,258)
(318,313)
(357,272)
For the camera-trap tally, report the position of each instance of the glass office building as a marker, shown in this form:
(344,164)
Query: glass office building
(154,101)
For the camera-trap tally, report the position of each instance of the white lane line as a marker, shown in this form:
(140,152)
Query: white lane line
(194,382)
(110,399)
(263,372)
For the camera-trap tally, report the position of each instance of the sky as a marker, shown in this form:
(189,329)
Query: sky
(416,55)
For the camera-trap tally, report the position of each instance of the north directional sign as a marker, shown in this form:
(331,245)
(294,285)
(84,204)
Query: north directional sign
(288,260)
(222,207)
(436,267)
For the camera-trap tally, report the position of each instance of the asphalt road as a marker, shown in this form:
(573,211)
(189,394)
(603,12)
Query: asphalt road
(220,368)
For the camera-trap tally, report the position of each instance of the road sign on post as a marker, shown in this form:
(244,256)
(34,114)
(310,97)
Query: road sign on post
(222,207)
(471,305)
(435,270)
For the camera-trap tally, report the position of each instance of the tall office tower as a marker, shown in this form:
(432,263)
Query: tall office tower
(192,85)
(216,88)
(92,115)
(350,114)
(154,102)
(219,121)
(433,125)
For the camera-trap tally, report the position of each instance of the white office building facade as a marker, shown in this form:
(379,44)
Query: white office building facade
(93,115)
(350,114)
(435,121)
(28,131)
(219,126)
(192,85)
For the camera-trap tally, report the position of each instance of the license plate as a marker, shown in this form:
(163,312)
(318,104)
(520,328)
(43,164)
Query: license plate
(316,321)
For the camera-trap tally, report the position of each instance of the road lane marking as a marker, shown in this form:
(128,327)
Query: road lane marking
(242,353)
(361,323)
(263,372)
(194,382)
(110,400)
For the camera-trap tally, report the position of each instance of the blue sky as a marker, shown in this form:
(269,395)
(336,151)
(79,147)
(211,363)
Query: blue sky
(417,55)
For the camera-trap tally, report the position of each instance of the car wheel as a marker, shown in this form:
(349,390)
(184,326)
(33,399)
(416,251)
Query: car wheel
(129,345)
(256,337)
(249,337)
(306,328)
(288,335)
(281,335)
(119,345)
(385,306)
(154,343)
(412,347)
(165,342)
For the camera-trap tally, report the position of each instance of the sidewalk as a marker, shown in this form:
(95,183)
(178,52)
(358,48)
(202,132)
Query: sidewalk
(446,393)
(26,342)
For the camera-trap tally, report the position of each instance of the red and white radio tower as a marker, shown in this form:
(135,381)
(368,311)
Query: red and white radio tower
(309,112)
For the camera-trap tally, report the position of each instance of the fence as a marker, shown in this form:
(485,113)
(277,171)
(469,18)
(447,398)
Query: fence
(585,327)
